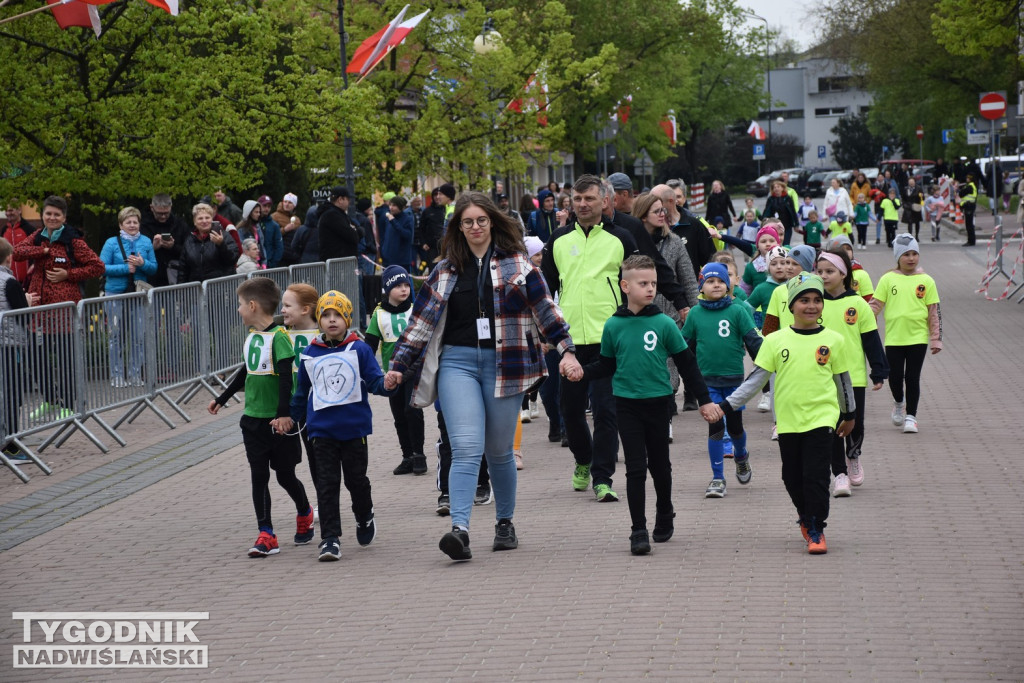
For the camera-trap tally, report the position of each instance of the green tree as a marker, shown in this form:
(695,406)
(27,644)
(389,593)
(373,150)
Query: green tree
(855,146)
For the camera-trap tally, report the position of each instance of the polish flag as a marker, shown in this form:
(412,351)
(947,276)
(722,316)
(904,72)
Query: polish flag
(668,124)
(169,6)
(756,131)
(623,109)
(535,98)
(372,50)
(70,13)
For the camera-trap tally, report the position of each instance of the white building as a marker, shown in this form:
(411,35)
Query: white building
(810,97)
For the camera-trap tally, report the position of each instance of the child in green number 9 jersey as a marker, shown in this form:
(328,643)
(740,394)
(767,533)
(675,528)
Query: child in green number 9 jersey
(387,323)
(270,443)
(810,363)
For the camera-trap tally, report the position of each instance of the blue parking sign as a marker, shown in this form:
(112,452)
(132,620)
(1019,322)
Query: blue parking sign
(758,152)
(821,151)
(947,135)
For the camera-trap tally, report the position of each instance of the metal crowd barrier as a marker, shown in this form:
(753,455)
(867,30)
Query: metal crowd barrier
(64,364)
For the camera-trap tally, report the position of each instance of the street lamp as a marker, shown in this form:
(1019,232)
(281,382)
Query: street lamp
(768,68)
(489,40)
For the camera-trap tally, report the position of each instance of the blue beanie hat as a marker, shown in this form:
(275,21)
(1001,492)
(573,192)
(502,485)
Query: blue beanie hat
(542,195)
(805,255)
(714,270)
(392,277)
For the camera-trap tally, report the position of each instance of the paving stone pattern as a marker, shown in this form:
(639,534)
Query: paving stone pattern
(923,578)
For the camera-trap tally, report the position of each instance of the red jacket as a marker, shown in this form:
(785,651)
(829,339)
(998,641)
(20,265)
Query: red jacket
(15,233)
(69,252)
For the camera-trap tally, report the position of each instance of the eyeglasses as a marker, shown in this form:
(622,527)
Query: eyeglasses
(661,212)
(482,221)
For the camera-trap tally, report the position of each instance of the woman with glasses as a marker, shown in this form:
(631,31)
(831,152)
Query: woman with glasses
(473,343)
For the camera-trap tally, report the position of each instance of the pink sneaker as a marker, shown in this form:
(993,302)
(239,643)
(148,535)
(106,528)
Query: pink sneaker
(856,471)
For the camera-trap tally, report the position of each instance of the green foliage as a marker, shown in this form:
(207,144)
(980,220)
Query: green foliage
(990,25)
(855,146)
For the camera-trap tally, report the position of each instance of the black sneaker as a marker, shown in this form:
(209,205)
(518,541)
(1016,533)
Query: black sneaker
(483,495)
(565,440)
(404,468)
(505,535)
(455,544)
(663,527)
(366,531)
(639,542)
(690,405)
(419,463)
(743,472)
(330,549)
(444,505)
(554,433)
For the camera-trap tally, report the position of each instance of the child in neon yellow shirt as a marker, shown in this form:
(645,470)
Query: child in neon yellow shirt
(913,324)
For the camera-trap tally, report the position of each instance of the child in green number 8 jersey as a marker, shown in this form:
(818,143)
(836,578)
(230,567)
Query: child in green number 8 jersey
(267,428)
(387,323)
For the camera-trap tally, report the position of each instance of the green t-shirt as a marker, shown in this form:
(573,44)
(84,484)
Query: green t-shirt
(812,233)
(805,393)
(778,305)
(719,338)
(851,317)
(388,327)
(761,295)
(262,352)
(641,346)
(752,276)
(300,340)
(862,283)
(906,299)
(862,213)
(739,294)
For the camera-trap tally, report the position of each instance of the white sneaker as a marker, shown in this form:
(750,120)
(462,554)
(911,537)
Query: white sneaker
(910,425)
(534,412)
(765,404)
(897,414)
(775,432)
(316,514)
(841,487)
(670,431)
(524,416)
(856,471)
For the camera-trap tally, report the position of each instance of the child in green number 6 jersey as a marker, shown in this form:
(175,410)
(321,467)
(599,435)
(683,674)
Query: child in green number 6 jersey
(266,422)
(387,323)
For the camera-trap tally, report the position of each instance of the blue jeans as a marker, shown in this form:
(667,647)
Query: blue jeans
(477,423)
(126,324)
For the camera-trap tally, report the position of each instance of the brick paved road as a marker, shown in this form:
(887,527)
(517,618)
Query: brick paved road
(923,578)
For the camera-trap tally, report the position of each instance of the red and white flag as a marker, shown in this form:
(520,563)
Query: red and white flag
(534,98)
(623,109)
(372,50)
(668,124)
(756,131)
(169,6)
(70,13)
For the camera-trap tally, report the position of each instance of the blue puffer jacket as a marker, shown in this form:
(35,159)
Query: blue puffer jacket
(119,280)
(396,241)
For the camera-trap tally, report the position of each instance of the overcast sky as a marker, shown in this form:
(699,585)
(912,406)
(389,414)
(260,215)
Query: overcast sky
(793,18)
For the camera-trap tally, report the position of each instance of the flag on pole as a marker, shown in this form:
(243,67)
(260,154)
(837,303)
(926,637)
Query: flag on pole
(756,131)
(535,98)
(623,109)
(372,50)
(70,13)
(668,124)
(169,6)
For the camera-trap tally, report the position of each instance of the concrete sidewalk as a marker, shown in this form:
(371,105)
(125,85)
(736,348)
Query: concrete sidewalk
(922,579)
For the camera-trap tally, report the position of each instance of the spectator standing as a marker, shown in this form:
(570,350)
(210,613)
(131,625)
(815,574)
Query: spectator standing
(205,253)
(167,232)
(273,242)
(338,237)
(16,231)
(396,246)
(226,207)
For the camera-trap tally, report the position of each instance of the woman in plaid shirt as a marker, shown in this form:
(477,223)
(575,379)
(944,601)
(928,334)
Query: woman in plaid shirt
(473,342)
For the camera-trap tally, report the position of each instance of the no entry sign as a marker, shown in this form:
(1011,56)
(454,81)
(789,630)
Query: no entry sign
(992,105)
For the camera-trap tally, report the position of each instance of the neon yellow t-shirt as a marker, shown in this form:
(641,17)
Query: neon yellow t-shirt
(835,229)
(851,317)
(862,283)
(805,393)
(906,299)
(778,306)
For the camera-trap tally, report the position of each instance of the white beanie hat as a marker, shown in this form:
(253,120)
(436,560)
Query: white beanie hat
(903,243)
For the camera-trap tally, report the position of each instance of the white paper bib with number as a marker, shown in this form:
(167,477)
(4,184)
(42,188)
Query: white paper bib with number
(300,340)
(392,325)
(335,379)
(259,353)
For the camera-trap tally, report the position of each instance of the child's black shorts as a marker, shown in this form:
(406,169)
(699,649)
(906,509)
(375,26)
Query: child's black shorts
(263,446)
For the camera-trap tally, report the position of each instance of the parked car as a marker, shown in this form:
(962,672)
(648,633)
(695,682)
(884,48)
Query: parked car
(816,183)
(759,187)
(917,168)
(797,180)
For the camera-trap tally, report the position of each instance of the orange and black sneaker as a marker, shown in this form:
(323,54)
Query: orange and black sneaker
(816,542)
(304,528)
(266,544)
(803,529)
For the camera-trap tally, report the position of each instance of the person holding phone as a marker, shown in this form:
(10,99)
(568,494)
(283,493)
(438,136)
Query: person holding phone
(167,232)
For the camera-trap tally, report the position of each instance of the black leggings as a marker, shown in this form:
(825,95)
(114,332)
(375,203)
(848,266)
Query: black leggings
(265,450)
(862,233)
(408,421)
(805,465)
(644,433)
(851,445)
(905,363)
